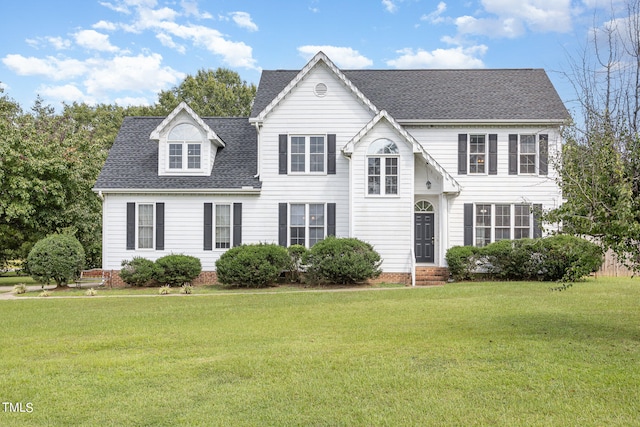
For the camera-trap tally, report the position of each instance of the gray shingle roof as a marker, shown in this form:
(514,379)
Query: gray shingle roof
(501,94)
(133,159)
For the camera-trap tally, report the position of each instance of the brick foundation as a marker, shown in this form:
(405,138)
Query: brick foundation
(402,278)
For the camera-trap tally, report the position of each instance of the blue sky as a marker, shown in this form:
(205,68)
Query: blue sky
(126,51)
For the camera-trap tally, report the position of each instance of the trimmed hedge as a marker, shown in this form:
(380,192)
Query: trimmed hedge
(58,257)
(342,261)
(137,272)
(557,258)
(252,266)
(176,270)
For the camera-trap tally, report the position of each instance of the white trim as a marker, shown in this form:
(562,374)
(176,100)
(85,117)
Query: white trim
(230,191)
(210,134)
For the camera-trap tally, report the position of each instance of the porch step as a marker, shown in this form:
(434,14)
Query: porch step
(431,276)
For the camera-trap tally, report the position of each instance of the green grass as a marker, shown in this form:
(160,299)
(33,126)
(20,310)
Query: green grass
(10,279)
(471,354)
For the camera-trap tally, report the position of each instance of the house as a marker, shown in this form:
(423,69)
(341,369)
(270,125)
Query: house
(412,161)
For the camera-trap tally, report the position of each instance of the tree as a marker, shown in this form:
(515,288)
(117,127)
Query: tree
(58,257)
(210,93)
(599,169)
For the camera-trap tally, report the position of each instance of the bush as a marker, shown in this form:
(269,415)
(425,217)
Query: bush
(342,261)
(137,272)
(176,270)
(298,255)
(252,266)
(461,261)
(58,257)
(556,258)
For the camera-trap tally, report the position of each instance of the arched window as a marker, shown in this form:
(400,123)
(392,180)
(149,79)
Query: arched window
(185,138)
(382,167)
(423,206)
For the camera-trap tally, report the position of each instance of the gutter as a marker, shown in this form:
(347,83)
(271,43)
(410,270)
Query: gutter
(243,190)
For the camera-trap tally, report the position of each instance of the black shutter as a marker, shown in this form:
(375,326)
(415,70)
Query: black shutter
(237,224)
(331,219)
(282,154)
(537,228)
(513,154)
(282,224)
(159,226)
(131,226)
(208,226)
(543,141)
(468,224)
(493,154)
(331,154)
(462,154)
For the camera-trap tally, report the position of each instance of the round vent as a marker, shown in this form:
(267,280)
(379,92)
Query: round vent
(320,89)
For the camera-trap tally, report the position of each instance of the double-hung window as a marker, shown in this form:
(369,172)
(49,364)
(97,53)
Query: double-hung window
(527,154)
(145,226)
(308,154)
(223,226)
(307,224)
(382,168)
(185,147)
(477,153)
(495,222)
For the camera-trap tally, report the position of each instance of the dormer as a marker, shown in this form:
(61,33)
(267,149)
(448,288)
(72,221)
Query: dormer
(187,146)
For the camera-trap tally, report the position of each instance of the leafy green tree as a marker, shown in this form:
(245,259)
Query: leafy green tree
(210,93)
(58,257)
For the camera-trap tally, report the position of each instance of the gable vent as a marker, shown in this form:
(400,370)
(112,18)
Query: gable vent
(320,89)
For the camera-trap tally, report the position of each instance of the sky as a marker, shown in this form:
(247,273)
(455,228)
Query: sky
(127,51)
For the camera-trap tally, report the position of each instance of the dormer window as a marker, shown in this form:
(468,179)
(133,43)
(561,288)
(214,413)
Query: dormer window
(185,147)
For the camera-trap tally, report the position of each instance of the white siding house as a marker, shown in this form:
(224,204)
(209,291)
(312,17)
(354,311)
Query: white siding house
(412,161)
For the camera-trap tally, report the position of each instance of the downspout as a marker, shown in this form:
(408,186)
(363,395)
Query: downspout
(257,125)
(348,157)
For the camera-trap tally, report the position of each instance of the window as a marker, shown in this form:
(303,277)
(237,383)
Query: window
(308,154)
(522,221)
(503,222)
(527,156)
(223,226)
(495,222)
(145,226)
(382,168)
(483,225)
(477,153)
(306,220)
(185,137)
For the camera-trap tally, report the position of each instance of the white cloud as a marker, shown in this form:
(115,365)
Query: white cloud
(105,25)
(435,17)
(91,39)
(4,86)
(457,57)
(167,41)
(132,100)
(59,43)
(509,18)
(390,6)
(50,67)
(191,9)
(243,20)
(343,57)
(65,93)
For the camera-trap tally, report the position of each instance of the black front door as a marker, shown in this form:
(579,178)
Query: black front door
(424,237)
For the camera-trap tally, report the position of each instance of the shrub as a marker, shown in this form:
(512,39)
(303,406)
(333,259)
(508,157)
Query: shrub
(176,270)
(164,290)
(58,257)
(137,272)
(461,261)
(20,288)
(342,261)
(91,292)
(297,255)
(186,289)
(253,266)
(556,258)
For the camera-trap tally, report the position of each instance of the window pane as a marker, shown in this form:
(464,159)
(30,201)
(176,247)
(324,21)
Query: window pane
(175,156)
(223,226)
(316,223)
(145,226)
(527,154)
(316,156)
(373,171)
(483,225)
(297,153)
(503,215)
(185,132)
(522,221)
(193,156)
(477,150)
(383,146)
(297,215)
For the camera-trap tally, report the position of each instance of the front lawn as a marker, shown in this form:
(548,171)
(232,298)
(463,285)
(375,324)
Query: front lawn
(462,354)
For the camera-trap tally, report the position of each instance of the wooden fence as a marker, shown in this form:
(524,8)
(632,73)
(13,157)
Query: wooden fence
(612,268)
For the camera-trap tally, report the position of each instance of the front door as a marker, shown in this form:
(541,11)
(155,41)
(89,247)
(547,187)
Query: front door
(424,237)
